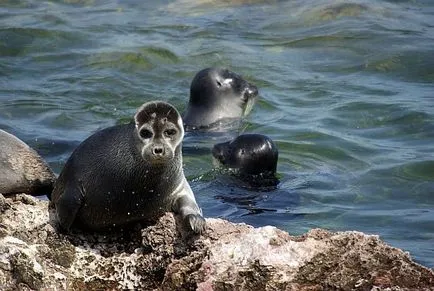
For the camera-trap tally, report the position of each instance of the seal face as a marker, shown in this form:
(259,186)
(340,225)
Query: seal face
(128,173)
(22,170)
(217,94)
(160,131)
(252,156)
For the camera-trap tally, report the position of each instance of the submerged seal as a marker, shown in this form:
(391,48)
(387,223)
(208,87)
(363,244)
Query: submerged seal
(252,156)
(218,94)
(22,170)
(128,173)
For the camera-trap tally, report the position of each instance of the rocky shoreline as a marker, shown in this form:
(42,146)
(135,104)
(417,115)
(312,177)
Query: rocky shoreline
(34,256)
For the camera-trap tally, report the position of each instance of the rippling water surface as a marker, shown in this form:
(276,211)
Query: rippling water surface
(346,92)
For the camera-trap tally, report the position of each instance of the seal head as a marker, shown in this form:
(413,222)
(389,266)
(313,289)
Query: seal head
(216,95)
(252,157)
(160,132)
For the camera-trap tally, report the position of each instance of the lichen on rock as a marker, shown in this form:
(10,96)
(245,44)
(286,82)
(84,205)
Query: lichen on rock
(26,269)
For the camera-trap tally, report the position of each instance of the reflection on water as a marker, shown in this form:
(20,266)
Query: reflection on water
(346,92)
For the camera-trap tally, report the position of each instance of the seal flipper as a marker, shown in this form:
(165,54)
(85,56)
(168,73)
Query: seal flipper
(186,206)
(196,222)
(67,207)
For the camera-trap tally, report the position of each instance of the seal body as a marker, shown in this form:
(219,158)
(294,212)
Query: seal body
(218,95)
(252,156)
(128,173)
(22,170)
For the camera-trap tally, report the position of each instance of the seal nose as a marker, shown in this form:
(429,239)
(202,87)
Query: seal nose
(252,90)
(158,150)
(217,152)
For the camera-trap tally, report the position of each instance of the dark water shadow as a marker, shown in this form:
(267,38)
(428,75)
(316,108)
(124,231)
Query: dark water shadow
(237,198)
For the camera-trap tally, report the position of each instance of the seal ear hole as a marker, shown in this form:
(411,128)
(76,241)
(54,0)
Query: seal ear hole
(170,132)
(145,133)
(219,84)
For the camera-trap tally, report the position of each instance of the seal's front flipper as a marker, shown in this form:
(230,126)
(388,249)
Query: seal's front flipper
(185,205)
(67,207)
(195,222)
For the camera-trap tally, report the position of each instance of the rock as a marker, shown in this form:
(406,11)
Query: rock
(26,269)
(3,204)
(22,169)
(227,257)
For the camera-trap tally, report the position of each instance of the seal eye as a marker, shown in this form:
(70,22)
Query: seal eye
(145,133)
(170,132)
(219,84)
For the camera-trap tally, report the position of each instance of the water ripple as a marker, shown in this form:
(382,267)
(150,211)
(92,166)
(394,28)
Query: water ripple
(346,92)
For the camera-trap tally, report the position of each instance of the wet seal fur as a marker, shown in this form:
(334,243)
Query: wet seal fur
(22,169)
(252,157)
(217,96)
(128,173)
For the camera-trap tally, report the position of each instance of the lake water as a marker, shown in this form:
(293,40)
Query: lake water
(346,92)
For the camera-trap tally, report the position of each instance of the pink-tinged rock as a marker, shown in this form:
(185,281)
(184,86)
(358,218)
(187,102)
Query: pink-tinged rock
(227,257)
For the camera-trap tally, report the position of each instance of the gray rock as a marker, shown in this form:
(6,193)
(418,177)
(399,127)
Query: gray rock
(22,169)
(227,257)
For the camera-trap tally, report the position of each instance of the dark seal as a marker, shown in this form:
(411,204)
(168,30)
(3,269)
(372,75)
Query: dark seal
(22,170)
(128,173)
(218,95)
(253,157)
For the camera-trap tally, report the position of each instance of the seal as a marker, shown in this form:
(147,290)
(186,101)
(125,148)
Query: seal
(253,157)
(128,173)
(217,94)
(22,169)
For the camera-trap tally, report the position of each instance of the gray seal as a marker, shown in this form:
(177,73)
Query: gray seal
(253,157)
(128,173)
(22,170)
(218,95)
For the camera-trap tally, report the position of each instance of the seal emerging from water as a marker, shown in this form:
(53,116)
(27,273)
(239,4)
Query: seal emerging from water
(217,94)
(22,170)
(252,156)
(128,173)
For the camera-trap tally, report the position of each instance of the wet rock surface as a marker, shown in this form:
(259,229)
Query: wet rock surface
(33,255)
